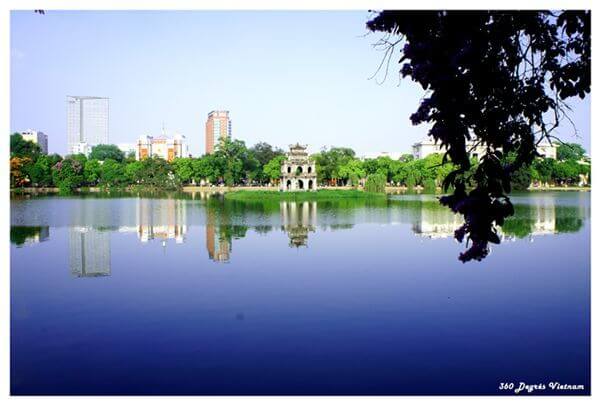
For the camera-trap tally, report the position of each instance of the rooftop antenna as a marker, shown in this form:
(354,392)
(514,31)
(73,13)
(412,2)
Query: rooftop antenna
(163,128)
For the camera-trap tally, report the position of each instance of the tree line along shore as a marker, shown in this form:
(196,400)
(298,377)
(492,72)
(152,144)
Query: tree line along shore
(235,166)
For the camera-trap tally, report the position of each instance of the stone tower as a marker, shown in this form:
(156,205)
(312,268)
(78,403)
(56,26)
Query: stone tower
(298,171)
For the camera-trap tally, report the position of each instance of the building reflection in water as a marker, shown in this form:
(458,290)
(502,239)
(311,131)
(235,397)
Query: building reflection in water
(89,252)
(298,219)
(545,220)
(436,223)
(166,219)
(218,244)
(529,220)
(161,219)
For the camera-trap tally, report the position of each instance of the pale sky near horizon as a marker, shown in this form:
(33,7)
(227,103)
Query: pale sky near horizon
(285,77)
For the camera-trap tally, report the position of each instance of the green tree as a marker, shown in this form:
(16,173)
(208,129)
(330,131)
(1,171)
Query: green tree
(352,171)
(329,161)
(41,172)
(92,172)
(264,152)
(234,159)
(152,172)
(567,172)
(570,151)
(184,169)
(545,169)
(375,183)
(273,168)
(112,173)
(406,157)
(67,174)
(207,168)
(22,148)
(103,152)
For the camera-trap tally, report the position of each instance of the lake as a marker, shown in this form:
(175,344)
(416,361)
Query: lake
(195,294)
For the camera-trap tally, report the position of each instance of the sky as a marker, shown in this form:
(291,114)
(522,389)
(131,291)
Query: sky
(285,77)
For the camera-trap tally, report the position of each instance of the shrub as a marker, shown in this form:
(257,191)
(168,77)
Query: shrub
(375,183)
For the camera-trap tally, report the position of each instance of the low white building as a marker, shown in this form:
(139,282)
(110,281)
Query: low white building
(162,146)
(82,148)
(428,147)
(37,137)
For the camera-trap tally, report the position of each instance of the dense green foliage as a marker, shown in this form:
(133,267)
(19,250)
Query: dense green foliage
(570,151)
(20,147)
(375,183)
(103,152)
(235,164)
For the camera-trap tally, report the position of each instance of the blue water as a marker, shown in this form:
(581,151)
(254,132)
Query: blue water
(196,295)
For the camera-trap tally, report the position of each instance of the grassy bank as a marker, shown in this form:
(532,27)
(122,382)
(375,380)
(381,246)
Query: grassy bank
(320,195)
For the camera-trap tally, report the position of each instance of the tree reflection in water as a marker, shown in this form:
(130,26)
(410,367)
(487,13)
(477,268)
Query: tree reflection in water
(164,217)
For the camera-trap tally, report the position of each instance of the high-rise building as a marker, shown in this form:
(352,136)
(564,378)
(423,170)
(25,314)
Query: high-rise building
(37,137)
(87,123)
(218,126)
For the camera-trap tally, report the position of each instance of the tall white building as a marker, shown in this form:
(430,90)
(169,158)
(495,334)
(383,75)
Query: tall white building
(87,123)
(37,137)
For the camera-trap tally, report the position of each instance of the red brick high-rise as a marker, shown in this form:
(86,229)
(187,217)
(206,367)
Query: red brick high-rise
(218,126)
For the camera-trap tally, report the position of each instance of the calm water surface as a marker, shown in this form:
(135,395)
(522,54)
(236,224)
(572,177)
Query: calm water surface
(191,294)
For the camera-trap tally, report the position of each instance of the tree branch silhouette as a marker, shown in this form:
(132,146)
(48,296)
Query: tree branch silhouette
(492,77)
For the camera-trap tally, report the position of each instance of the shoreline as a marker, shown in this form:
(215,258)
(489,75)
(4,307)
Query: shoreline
(222,189)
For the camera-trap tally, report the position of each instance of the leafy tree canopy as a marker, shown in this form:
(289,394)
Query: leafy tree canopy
(264,152)
(103,152)
(22,148)
(498,77)
(570,151)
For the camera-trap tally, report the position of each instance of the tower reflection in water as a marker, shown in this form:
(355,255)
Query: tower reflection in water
(165,220)
(298,219)
(218,244)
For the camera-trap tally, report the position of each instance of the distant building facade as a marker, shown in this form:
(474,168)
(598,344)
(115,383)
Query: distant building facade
(218,126)
(87,122)
(162,147)
(298,171)
(428,147)
(37,137)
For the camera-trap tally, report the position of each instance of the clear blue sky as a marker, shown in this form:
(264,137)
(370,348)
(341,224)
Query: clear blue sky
(285,77)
